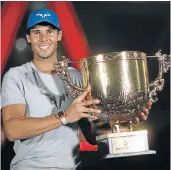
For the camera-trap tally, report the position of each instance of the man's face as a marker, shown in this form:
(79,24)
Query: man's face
(44,40)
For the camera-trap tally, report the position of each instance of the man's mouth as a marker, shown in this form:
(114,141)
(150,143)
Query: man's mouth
(44,47)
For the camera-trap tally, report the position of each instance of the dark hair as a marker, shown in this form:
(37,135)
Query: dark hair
(42,24)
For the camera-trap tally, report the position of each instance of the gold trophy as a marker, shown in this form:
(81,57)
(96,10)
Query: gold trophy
(120,81)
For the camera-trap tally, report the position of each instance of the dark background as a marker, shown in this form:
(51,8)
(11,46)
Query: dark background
(116,26)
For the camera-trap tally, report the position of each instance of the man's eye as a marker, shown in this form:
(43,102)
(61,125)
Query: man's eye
(50,31)
(36,33)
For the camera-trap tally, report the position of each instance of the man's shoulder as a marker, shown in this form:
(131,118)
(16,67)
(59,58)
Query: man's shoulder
(18,70)
(74,74)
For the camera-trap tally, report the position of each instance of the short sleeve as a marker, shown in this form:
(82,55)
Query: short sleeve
(12,92)
(75,76)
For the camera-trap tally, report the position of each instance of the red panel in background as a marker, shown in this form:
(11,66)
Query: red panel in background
(85,146)
(12,15)
(74,40)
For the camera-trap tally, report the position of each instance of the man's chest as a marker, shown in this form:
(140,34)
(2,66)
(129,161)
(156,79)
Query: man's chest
(46,95)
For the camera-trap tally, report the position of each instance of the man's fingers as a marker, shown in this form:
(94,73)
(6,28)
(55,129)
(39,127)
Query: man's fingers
(91,110)
(142,116)
(85,115)
(83,95)
(135,120)
(147,107)
(149,104)
(90,102)
(146,111)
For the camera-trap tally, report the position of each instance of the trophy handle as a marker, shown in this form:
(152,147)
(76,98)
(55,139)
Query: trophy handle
(157,85)
(61,69)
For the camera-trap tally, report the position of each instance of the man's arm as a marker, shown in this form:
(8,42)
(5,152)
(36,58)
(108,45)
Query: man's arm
(17,126)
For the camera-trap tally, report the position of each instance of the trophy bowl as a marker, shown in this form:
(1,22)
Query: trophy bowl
(120,81)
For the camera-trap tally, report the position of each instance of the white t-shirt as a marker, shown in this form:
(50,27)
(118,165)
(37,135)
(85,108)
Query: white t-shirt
(43,94)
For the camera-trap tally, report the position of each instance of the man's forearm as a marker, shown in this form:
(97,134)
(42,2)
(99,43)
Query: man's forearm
(22,128)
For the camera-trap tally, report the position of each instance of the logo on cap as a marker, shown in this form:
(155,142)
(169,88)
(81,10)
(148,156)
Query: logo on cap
(43,15)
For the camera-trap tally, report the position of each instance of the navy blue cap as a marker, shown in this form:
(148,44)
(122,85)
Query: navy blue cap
(42,15)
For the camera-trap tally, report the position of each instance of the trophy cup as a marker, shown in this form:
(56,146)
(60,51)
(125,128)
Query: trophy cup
(120,81)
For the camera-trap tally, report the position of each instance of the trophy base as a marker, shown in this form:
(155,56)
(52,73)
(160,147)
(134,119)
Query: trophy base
(125,144)
(149,152)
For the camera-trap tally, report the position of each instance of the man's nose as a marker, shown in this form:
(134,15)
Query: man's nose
(43,37)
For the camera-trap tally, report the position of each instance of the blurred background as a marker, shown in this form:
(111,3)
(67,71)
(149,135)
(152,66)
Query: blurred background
(105,27)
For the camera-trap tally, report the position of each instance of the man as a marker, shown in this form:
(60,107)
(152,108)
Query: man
(38,114)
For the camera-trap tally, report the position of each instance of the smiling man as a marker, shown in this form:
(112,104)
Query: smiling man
(37,37)
(43,34)
(38,114)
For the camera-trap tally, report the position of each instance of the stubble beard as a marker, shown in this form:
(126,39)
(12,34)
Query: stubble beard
(47,57)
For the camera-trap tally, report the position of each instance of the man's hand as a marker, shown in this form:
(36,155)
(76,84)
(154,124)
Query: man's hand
(104,128)
(78,108)
(143,115)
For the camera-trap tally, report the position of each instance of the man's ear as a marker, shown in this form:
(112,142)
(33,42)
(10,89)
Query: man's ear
(59,35)
(28,38)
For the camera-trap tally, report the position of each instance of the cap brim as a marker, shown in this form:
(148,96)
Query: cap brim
(44,21)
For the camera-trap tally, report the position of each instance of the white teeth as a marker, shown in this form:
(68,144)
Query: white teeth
(44,47)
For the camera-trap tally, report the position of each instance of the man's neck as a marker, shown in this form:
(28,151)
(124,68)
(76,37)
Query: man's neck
(45,65)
